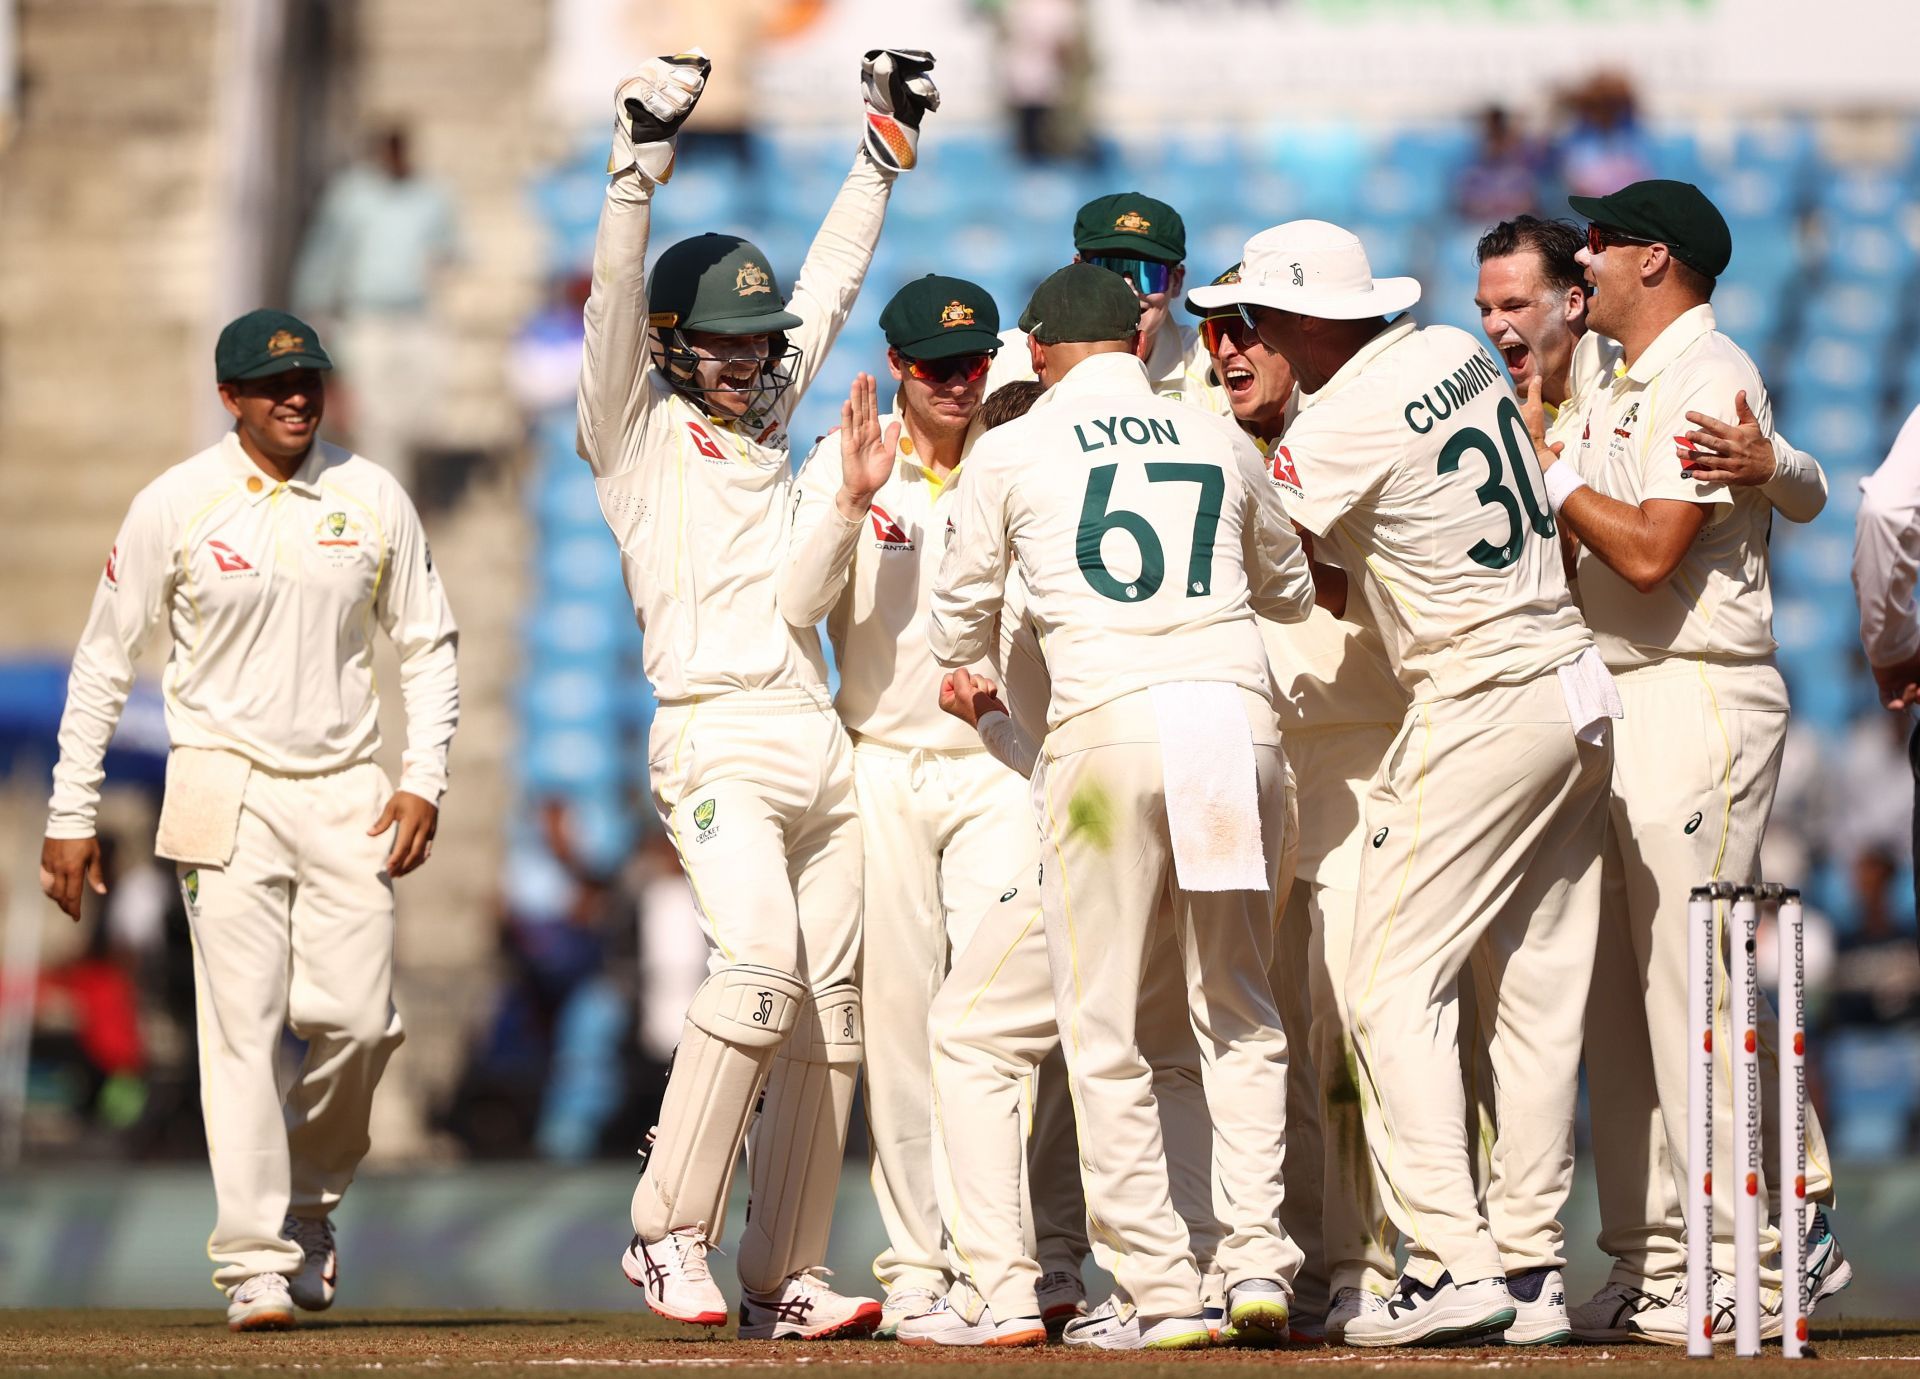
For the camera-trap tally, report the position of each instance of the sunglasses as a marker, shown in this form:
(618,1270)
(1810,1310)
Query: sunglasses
(1215,331)
(1146,275)
(958,368)
(1601,236)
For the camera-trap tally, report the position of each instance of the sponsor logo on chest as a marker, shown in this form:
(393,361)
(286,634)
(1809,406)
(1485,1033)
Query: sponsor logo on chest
(338,536)
(888,534)
(229,562)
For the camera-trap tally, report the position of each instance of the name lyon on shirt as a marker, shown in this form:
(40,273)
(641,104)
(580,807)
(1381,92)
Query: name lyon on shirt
(1133,430)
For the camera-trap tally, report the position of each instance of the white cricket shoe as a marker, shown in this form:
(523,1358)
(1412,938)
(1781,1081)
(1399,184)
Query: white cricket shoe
(945,1324)
(1539,1308)
(672,1275)
(903,1304)
(1613,1313)
(313,1286)
(1257,1314)
(1444,1313)
(1113,1325)
(805,1308)
(1827,1269)
(1349,1303)
(260,1303)
(1061,1298)
(1668,1325)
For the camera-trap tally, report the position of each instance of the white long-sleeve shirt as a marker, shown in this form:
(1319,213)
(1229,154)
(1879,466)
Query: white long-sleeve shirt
(270,593)
(699,506)
(1147,533)
(1886,551)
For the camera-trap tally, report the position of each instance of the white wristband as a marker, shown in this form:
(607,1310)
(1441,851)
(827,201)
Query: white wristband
(1563,481)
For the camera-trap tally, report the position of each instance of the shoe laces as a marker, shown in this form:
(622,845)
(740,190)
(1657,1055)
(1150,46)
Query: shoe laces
(252,1288)
(313,1234)
(690,1252)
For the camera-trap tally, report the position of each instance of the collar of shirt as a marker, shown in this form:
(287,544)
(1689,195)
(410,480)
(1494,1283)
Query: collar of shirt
(305,479)
(1672,342)
(908,465)
(1366,354)
(1114,372)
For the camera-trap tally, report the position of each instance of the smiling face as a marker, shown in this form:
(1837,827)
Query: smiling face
(941,405)
(278,415)
(729,369)
(1532,324)
(1257,380)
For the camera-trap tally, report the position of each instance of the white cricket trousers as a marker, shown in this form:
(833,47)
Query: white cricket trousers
(1482,866)
(1695,765)
(1107,861)
(939,831)
(295,932)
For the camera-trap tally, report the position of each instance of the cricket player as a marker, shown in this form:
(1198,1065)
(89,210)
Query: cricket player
(269,558)
(1673,577)
(1145,241)
(1339,708)
(1147,780)
(686,387)
(1409,465)
(939,817)
(1534,306)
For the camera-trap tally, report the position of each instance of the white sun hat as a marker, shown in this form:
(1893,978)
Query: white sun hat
(1315,269)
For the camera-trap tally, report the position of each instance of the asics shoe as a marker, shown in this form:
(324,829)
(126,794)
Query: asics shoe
(1613,1313)
(672,1274)
(805,1308)
(1667,1325)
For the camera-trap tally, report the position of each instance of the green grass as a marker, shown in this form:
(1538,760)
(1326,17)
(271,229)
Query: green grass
(510,1344)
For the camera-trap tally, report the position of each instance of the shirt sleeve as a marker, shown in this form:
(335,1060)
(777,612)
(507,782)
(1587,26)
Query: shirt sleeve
(1706,390)
(835,267)
(1798,488)
(616,394)
(412,607)
(130,602)
(1886,551)
(820,542)
(971,585)
(1008,745)
(1279,580)
(1324,472)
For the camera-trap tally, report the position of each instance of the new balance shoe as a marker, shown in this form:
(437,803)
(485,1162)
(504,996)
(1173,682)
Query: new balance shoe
(1349,1303)
(313,1286)
(672,1275)
(1061,1297)
(903,1304)
(1113,1325)
(1613,1313)
(1256,1314)
(805,1308)
(1667,1325)
(1827,1269)
(1539,1308)
(1441,1313)
(945,1324)
(260,1303)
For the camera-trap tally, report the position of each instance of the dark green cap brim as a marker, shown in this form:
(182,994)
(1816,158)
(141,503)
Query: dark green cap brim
(947,344)
(763,324)
(1128,246)
(286,363)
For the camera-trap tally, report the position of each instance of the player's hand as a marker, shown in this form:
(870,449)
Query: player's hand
(67,867)
(1899,683)
(648,109)
(1719,453)
(969,697)
(417,822)
(866,452)
(899,91)
(1533,410)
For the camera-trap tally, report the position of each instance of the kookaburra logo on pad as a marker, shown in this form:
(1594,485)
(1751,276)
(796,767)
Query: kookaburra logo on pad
(752,278)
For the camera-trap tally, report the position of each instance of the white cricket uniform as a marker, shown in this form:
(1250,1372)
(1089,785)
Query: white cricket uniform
(939,817)
(1886,551)
(1413,469)
(269,593)
(1696,761)
(751,770)
(1178,366)
(1115,626)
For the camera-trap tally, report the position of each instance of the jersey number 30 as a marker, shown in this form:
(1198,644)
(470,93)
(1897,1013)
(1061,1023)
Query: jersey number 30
(1495,492)
(1096,520)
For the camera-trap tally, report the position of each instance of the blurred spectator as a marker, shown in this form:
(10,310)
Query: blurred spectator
(1873,1061)
(1603,148)
(370,265)
(1044,62)
(731,36)
(1503,178)
(1871,792)
(544,367)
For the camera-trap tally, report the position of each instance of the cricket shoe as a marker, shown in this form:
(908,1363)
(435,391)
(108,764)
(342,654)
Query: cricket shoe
(1668,1325)
(1613,1313)
(1539,1308)
(1115,1325)
(945,1324)
(1256,1314)
(1827,1269)
(805,1308)
(672,1275)
(1440,1313)
(313,1286)
(904,1304)
(260,1303)
(1061,1297)
(1349,1303)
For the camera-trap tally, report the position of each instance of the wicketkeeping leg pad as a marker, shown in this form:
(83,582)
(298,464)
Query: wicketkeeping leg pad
(736,1024)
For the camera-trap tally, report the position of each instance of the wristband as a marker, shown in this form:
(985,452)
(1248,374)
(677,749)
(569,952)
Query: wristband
(1563,481)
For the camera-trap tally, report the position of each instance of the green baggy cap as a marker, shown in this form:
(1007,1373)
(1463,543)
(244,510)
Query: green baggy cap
(266,342)
(717,283)
(1676,214)
(937,317)
(1133,224)
(1232,275)
(1081,303)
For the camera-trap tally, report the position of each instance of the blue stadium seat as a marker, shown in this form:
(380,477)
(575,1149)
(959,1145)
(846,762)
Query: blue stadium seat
(1863,193)
(1877,253)
(568,695)
(1753,194)
(1865,311)
(576,627)
(1675,153)
(568,759)
(1848,370)
(585,564)
(1752,315)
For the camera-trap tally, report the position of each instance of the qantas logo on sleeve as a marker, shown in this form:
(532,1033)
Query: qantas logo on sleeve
(113,568)
(1283,470)
(230,561)
(888,535)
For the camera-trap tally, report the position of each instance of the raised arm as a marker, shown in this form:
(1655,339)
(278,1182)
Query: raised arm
(649,108)
(831,500)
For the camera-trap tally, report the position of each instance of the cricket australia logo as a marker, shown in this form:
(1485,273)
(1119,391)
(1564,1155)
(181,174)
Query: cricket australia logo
(190,887)
(752,278)
(1132,223)
(955,313)
(703,820)
(337,536)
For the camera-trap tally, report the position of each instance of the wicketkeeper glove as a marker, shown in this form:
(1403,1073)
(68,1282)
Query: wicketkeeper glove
(649,108)
(898,94)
